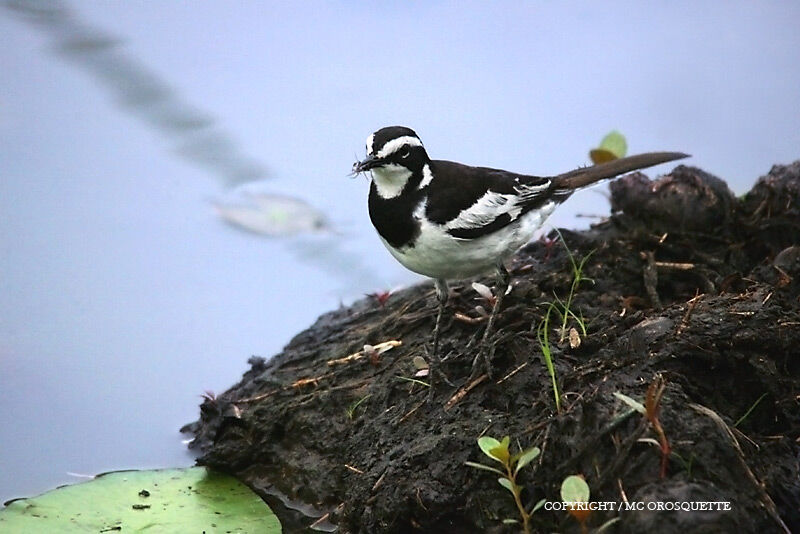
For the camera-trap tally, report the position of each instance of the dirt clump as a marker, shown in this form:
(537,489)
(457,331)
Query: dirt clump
(688,285)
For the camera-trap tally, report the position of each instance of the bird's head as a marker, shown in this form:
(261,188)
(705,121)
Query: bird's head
(394,154)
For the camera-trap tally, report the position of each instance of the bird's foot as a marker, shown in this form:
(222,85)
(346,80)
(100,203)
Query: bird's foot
(482,363)
(483,360)
(435,373)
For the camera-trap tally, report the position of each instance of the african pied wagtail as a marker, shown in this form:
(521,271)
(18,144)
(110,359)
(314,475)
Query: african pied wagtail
(448,221)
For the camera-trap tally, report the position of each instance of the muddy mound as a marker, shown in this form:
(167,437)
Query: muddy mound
(686,286)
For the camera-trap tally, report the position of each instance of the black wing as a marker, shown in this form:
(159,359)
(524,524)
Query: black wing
(475,201)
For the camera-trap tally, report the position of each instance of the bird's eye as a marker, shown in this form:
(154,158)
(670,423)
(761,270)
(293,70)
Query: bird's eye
(405,152)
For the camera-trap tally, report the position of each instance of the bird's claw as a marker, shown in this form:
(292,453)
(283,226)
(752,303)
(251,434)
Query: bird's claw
(435,372)
(482,363)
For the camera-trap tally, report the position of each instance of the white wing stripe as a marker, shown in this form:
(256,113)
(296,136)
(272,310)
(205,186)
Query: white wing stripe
(529,192)
(488,208)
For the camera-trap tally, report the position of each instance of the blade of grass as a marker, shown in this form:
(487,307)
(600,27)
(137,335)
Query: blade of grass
(749,411)
(414,380)
(544,343)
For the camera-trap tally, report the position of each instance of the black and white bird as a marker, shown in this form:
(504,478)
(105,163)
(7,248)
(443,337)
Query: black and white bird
(451,221)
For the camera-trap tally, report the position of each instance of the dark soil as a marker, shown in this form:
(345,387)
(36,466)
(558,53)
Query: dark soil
(690,285)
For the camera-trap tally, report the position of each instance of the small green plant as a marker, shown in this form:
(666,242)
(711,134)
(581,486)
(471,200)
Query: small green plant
(652,404)
(564,310)
(511,465)
(544,343)
(651,410)
(577,277)
(351,410)
(575,493)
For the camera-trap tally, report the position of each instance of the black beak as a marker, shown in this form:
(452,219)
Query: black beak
(370,162)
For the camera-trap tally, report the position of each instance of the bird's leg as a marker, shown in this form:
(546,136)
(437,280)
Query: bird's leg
(434,368)
(503,279)
(442,295)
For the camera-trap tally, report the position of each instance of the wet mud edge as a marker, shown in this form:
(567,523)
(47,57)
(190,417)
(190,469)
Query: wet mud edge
(688,283)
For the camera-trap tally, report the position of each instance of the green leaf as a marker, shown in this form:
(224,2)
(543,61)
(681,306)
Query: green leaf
(484,467)
(615,143)
(487,445)
(501,453)
(538,505)
(168,500)
(574,489)
(613,146)
(527,457)
(510,486)
(636,405)
(505,442)
(510,521)
(414,381)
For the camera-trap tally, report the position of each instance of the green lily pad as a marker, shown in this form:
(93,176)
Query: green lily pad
(165,500)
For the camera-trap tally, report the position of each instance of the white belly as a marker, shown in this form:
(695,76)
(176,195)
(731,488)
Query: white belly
(438,255)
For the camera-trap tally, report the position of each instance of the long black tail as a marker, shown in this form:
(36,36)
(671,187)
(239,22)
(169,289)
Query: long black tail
(573,180)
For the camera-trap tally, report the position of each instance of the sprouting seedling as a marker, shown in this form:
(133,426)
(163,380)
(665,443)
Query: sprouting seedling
(565,312)
(652,404)
(632,403)
(613,146)
(351,410)
(542,335)
(651,410)
(575,493)
(511,465)
(577,278)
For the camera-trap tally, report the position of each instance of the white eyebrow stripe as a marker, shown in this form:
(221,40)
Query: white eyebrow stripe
(395,144)
(370,139)
(427,177)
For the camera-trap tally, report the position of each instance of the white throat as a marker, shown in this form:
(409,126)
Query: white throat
(390,180)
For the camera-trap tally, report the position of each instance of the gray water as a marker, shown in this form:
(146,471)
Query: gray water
(123,298)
